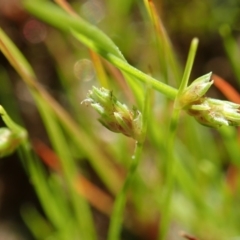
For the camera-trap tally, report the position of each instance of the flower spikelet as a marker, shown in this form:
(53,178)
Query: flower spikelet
(114,115)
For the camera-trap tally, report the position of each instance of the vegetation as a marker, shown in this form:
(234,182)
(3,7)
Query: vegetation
(167,176)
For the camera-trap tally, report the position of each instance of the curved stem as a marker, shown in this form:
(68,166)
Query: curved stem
(167,90)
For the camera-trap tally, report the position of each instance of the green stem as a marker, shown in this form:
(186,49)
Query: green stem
(12,125)
(169,179)
(28,159)
(57,17)
(188,67)
(93,153)
(167,90)
(122,64)
(80,206)
(118,208)
(93,38)
(170,165)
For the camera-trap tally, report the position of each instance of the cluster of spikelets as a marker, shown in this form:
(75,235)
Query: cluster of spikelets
(117,117)
(12,136)
(208,111)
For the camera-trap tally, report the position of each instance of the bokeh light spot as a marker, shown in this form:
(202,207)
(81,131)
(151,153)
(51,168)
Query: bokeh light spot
(93,11)
(84,70)
(34,31)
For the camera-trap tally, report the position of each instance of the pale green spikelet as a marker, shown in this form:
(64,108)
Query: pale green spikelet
(216,113)
(114,115)
(9,141)
(195,91)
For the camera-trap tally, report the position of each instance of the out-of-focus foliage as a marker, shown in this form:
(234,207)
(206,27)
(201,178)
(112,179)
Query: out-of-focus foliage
(192,184)
(201,17)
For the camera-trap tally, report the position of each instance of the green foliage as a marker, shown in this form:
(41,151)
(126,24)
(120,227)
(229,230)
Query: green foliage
(170,169)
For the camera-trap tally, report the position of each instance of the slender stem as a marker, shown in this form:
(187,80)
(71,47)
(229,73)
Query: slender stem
(55,16)
(95,156)
(12,125)
(123,65)
(160,38)
(118,208)
(67,7)
(83,214)
(188,67)
(94,39)
(167,90)
(170,165)
(169,179)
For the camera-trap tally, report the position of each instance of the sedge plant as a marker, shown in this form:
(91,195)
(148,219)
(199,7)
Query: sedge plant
(184,185)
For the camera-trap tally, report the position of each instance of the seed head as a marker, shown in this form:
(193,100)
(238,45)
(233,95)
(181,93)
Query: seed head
(216,113)
(115,116)
(9,141)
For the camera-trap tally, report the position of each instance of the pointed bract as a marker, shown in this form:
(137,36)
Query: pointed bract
(195,91)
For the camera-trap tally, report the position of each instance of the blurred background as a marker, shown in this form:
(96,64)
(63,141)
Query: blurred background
(128,26)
